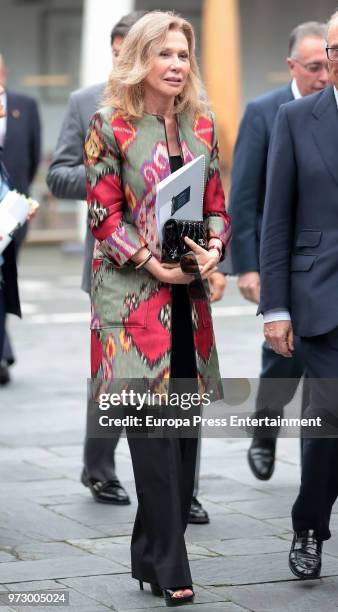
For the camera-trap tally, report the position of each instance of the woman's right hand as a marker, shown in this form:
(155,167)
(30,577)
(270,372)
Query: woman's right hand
(171,274)
(165,273)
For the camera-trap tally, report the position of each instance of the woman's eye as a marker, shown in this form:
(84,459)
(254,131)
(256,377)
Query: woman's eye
(164,54)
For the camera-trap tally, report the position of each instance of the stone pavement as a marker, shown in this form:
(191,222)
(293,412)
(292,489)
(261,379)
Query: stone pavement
(54,536)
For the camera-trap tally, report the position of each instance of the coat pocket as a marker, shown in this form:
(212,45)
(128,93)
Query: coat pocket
(308,238)
(302,263)
(118,296)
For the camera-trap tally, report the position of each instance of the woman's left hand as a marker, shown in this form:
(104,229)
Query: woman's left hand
(207,260)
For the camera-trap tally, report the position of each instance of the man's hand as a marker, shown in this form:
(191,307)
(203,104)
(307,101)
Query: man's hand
(217,284)
(249,286)
(279,335)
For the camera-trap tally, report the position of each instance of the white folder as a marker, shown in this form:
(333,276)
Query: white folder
(14,209)
(180,195)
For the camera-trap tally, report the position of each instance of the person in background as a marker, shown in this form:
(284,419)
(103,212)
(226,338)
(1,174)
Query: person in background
(146,323)
(299,279)
(9,293)
(307,63)
(3,190)
(20,140)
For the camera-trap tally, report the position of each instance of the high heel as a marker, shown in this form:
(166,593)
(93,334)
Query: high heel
(155,589)
(171,600)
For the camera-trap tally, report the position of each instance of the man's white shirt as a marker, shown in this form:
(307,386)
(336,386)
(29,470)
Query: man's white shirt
(3,120)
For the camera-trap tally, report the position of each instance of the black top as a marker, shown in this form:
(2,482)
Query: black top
(183,361)
(175,162)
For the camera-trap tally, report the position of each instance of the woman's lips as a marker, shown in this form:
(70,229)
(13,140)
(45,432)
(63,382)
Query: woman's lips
(173,80)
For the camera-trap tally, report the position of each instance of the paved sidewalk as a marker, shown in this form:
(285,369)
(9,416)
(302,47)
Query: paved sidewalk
(54,536)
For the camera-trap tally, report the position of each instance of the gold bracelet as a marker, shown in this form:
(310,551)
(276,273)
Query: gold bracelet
(217,248)
(145,260)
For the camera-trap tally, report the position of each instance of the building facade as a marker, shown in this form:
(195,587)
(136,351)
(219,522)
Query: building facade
(52,47)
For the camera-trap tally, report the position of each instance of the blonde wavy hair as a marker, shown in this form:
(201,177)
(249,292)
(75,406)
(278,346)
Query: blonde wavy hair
(124,89)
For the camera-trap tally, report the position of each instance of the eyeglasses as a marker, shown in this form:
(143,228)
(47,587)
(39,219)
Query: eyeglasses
(189,265)
(314,67)
(332,54)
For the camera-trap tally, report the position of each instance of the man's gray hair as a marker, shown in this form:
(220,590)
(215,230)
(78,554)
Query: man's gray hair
(332,20)
(314,29)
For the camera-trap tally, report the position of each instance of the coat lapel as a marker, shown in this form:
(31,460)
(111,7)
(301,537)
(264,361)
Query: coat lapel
(325,130)
(286,95)
(9,119)
(14,118)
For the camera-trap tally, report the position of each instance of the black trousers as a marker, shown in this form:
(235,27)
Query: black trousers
(164,470)
(7,353)
(99,453)
(272,397)
(319,480)
(2,321)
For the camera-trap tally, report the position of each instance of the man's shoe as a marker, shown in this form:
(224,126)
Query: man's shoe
(305,558)
(4,374)
(108,492)
(261,458)
(197,514)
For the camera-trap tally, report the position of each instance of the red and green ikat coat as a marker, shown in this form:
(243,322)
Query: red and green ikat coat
(131,310)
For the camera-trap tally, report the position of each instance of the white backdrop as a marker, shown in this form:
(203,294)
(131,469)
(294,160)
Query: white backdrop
(99,17)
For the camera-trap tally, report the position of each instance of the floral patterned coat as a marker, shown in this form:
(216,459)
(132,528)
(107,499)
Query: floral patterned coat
(131,310)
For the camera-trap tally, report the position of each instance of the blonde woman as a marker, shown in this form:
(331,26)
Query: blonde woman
(144,324)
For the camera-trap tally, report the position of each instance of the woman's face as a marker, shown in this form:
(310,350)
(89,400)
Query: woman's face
(170,67)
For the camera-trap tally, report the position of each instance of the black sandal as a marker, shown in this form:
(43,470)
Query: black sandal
(171,600)
(155,589)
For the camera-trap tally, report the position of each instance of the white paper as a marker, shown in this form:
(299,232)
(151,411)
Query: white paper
(190,175)
(14,209)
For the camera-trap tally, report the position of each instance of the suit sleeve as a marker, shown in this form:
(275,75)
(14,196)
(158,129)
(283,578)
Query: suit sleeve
(35,141)
(66,176)
(119,239)
(278,217)
(247,183)
(217,220)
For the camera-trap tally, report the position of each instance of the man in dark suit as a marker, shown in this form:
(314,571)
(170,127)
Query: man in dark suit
(299,280)
(308,68)
(20,140)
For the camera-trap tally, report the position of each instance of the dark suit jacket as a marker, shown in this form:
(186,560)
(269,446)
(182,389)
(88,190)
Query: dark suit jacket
(299,242)
(248,182)
(21,151)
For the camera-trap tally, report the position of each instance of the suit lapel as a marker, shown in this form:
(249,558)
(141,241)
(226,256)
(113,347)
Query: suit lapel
(10,120)
(285,96)
(325,130)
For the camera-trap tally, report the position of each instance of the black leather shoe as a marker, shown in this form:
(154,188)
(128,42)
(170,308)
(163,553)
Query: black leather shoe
(305,558)
(4,373)
(108,492)
(261,458)
(197,514)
